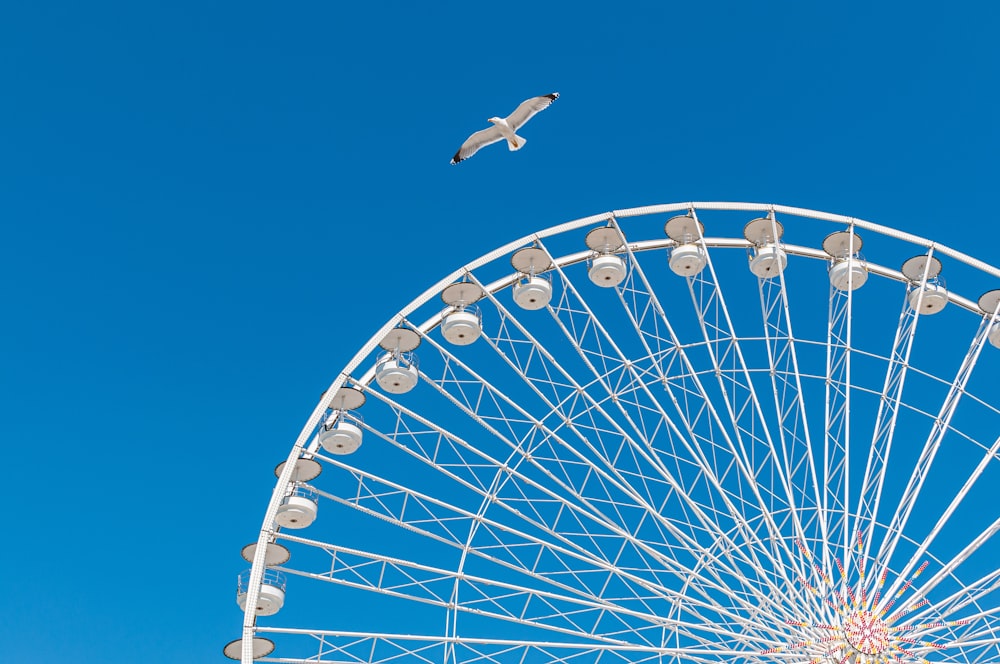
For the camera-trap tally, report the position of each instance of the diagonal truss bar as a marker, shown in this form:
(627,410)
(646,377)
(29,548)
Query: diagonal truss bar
(534,344)
(743,405)
(802,481)
(574,389)
(504,601)
(870,493)
(931,446)
(590,338)
(837,430)
(414,513)
(950,566)
(359,646)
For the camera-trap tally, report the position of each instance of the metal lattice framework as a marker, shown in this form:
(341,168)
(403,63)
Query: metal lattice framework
(675,468)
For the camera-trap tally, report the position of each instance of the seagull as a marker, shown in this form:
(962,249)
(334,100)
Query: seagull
(505,127)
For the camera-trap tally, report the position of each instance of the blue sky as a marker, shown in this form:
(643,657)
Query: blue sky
(208,207)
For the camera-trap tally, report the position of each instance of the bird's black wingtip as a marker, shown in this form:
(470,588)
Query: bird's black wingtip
(456,159)
(553,96)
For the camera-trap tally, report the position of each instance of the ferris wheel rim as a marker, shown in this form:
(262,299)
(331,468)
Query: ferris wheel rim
(345,379)
(610,217)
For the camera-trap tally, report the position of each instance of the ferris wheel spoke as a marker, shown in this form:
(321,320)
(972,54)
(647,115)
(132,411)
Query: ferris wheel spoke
(582,328)
(538,506)
(938,430)
(870,491)
(746,417)
(485,598)
(594,619)
(536,353)
(803,485)
(969,595)
(530,450)
(986,631)
(961,610)
(982,628)
(743,406)
(508,548)
(658,559)
(380,647)
(949,567)
(790,405)
(949,511)
(836,447)
(574,571)
(972,647)
(743,409)
(578,323)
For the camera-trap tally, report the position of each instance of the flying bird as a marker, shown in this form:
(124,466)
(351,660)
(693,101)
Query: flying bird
(505,128)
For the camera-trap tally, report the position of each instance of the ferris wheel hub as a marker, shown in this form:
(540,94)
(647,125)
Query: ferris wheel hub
(866,633)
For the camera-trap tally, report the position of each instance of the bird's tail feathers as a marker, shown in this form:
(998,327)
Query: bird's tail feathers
(517,143)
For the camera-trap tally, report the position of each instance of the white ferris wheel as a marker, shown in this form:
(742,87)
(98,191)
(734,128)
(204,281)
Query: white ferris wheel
(698,432)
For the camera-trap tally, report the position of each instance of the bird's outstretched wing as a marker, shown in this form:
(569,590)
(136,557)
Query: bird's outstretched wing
(528,108)
(476,141)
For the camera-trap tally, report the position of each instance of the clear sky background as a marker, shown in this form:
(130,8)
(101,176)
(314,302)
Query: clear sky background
(207,207)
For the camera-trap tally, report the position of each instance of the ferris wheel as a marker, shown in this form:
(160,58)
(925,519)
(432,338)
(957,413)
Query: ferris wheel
(697,432)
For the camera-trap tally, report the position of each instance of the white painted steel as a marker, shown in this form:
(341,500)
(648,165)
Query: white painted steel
(660,469)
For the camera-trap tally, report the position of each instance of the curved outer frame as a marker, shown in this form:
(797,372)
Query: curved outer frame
(301,443)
